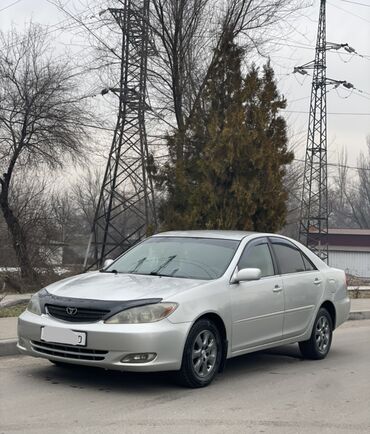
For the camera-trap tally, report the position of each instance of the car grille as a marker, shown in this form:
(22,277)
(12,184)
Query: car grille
(68,352)
(81,314)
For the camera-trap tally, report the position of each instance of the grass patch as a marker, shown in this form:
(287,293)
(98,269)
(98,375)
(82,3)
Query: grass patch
(6,312)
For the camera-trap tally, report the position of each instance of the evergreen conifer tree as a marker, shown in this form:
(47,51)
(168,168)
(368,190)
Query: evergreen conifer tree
(235,150)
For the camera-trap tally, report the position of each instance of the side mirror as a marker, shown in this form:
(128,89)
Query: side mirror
(107,262)
(247,274)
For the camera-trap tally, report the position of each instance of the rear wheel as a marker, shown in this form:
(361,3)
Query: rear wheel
(202,355)
(318,346)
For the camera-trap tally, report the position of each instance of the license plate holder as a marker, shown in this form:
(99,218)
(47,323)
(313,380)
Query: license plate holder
(59,335)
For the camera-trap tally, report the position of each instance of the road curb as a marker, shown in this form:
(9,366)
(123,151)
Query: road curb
(8,347)
(12,303)
(358,315)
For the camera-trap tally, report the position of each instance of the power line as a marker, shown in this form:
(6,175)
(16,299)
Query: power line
(330,113)
(302,70)
(356,3)
(9,6)
(343,166)
(79,21)
(308,47)
(350,13)
(63,25)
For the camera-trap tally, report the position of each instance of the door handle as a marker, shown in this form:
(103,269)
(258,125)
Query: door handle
(277,288)
(317,281)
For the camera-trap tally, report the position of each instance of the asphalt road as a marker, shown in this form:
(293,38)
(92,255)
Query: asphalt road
(273,391)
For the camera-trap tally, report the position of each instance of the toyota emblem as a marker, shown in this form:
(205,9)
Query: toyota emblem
(71,311)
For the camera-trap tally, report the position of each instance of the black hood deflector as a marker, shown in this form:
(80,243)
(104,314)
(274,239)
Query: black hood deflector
(111,306)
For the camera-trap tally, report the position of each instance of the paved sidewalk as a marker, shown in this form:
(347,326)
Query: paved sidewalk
(360,304)
(8,328)
(13,299)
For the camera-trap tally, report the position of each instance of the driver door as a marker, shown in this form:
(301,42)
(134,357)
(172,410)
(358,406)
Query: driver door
(257,306)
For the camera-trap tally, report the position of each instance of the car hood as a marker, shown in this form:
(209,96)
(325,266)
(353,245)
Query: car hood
(109,286)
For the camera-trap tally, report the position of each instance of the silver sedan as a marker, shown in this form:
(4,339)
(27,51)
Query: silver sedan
(186,302)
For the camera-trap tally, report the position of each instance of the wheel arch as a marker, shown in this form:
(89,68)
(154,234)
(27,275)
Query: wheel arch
(220,324)
(329,306)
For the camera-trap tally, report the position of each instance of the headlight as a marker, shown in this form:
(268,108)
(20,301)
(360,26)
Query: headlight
(143,314)
(34,305)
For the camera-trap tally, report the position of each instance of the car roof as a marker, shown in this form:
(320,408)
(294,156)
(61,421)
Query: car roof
(227,235)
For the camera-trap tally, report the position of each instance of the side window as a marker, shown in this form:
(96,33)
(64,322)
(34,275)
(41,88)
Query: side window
(308,264)
(289,258)
(257,256)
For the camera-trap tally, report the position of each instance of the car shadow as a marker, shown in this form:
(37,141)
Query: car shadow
(106,381)
(264,361)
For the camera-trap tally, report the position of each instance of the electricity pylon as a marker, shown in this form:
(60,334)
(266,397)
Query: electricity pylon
(126,211)
(313,228)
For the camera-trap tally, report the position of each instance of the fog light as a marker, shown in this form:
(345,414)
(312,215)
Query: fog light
(139,358)
(22,342)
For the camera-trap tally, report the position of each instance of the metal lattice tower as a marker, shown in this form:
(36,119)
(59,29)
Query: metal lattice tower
(126,211)
(314,207)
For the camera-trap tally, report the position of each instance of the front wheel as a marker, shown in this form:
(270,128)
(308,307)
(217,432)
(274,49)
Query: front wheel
(318,346)
(202,355)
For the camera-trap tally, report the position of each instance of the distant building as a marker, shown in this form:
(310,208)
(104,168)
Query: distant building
(349,250)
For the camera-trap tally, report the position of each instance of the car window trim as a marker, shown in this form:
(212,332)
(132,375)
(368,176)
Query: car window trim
(292,245)
(314,268)
(257,241)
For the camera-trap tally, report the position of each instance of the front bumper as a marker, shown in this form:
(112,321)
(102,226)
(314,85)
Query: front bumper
(107,344)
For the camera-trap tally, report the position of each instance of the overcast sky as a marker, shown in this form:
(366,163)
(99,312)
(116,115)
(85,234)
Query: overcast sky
(347,22)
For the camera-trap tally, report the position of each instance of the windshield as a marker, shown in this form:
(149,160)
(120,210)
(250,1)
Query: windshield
(191,258)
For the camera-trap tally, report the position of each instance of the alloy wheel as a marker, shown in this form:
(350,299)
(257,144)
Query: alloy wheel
(204,353)
(322,334)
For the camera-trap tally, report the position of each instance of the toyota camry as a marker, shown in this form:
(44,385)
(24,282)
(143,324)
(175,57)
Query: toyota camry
(186,302)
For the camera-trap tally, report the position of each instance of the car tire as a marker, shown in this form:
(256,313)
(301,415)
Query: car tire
(202,355)
(318,346)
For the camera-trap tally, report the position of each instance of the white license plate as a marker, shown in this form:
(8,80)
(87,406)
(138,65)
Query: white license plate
(63,336)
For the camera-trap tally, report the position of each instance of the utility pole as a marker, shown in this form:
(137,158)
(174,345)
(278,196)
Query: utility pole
(313,228)
(126,211)
(314,207)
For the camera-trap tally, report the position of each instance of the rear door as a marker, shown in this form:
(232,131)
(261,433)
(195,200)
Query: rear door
(257,306)
(303,286)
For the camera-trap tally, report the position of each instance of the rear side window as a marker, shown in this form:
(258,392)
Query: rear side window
(289,257)
(308,264)
(257,256)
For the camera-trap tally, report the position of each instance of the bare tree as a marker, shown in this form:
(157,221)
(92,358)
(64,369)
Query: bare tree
(350,193)
(179,30)
(341,205)
(85,193)
(31,200)
(362,200)
(186,35)
(185,32)
(41,120)
(183,36)
(293,186)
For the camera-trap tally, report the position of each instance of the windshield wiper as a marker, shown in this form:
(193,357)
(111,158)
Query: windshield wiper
(156,271)
(139,262)
(108,271)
